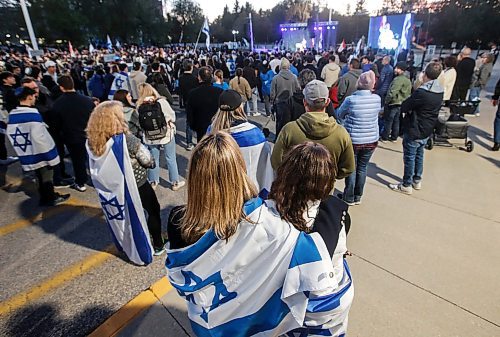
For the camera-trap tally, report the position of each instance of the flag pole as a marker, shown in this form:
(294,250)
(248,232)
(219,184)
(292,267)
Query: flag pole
(199,33)
(27,18)
(251,31)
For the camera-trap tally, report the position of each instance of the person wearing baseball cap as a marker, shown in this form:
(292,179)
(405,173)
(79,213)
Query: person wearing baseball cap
(399,90)
(256,150)
(316,126)
(49,79)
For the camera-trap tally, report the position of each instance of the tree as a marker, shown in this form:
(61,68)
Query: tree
(360,7)
(189,17)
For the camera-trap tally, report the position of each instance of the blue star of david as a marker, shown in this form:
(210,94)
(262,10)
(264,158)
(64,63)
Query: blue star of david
(112,203)
(26,136)
(119,83)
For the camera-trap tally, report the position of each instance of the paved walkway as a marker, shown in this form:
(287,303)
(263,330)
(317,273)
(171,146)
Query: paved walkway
(423,265)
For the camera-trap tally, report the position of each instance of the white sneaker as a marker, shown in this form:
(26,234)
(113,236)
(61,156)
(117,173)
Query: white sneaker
(401,188)
(177,185)
(8,161)
(154,185)
(255,114)
(417,186)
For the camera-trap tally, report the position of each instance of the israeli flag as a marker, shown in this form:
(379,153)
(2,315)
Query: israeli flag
(256,152)
(114,182)
(30,139)
(121,81)
(268,279)
(206,30)
(118,45)
(109,44)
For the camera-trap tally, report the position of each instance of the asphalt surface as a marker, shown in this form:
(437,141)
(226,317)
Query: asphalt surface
(423,265)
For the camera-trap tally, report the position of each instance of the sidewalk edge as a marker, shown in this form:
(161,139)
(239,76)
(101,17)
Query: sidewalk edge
(126,314)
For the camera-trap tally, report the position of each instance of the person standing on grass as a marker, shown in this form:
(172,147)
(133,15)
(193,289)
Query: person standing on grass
(421,111)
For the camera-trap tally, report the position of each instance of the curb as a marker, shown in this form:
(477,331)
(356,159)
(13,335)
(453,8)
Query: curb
(126,314)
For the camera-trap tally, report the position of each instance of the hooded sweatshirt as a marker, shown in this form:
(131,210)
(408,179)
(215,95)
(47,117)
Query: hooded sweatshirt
(319,128)
(422,110)
(283,86)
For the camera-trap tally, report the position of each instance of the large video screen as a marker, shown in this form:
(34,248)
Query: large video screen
(391,32)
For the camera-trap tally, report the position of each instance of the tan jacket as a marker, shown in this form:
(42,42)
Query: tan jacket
(330,74)
(242,86)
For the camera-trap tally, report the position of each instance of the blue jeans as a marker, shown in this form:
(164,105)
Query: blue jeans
(475,92)
(391,123)
(173,172)
(413,158)
(496,127)
(355,183)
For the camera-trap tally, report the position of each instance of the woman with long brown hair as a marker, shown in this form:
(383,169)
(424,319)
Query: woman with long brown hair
(236,261)
(107,128)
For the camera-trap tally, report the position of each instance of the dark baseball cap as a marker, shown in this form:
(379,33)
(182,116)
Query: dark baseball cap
(230,100)
(402,65)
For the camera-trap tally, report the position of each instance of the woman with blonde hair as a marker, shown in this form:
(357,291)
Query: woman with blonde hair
(112,149)
(234,260)
(157,121)
(252,142)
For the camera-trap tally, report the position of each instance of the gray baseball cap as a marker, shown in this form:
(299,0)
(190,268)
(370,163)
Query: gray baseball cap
(315,90)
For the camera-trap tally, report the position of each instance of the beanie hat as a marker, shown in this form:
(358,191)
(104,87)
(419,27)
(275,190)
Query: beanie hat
(366,81)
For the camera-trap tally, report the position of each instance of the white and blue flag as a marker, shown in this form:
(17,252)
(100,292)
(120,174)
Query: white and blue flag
(30,139)
(109,44)
(121,81)
(256,152)
(206,30)
(268,279)
(118,44)
(114,182)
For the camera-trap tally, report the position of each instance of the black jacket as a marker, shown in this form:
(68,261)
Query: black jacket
(202,105)
(465,70)
(249,75)
(71,112)
(10,101)
(187,82)
(421,110)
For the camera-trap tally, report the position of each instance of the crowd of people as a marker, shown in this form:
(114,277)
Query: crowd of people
(247,200)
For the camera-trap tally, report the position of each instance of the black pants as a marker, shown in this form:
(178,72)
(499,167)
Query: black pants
(44,176)
(78,154)
(152,207)
(3,148)
(462,91)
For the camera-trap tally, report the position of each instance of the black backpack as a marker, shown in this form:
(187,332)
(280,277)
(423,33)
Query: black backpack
(152,120)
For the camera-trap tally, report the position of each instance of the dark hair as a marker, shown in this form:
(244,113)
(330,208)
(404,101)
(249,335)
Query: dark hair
(23,92)
(331,58)
(365,57)
(355,64)
(137,66)
(121,96)
(306,76)
(246,62)
(307,173)
(35,71)
(239,73)
(66,82)
(122,66)
(205,74)
(27,79)
(155,66)
(450,61)
(433,70)
(187,65)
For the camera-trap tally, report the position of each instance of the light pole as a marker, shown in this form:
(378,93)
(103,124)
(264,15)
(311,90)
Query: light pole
(235,32)
(27,18)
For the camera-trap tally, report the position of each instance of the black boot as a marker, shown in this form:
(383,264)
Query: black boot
(496,147)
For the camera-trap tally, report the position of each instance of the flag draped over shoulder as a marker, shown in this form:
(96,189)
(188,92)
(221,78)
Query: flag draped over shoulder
(121,81)
(257,155)
(206,30)
(114,182)
(31,140)
(268,279)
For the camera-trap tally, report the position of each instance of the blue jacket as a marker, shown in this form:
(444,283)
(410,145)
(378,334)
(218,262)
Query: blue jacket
(97,86)
(359,115)
(384,82)
(294,70)
(267,78)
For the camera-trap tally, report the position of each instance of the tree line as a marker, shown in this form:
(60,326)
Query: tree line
(469,22)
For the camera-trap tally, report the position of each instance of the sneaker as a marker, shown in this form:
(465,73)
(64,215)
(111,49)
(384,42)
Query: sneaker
(341,197)
(393,140)
(255,114)
(496,147)
(154,185)
(177,185)
(190,147)
(478,114)
(357,202)
(60,198)
(79,188)
(63,183)
(159,251)
(417,185)
(401,188)
(8,161)
(382,140)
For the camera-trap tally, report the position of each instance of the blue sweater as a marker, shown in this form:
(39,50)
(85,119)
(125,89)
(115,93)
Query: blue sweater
(359,115)
(267,78)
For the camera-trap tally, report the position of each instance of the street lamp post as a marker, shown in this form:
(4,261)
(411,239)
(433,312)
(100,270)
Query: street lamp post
(27,18)
(235,32)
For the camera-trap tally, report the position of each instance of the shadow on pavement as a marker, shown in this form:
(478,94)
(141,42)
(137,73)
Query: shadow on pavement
(480,137)
(495,162)
(45,320)
(378,174)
